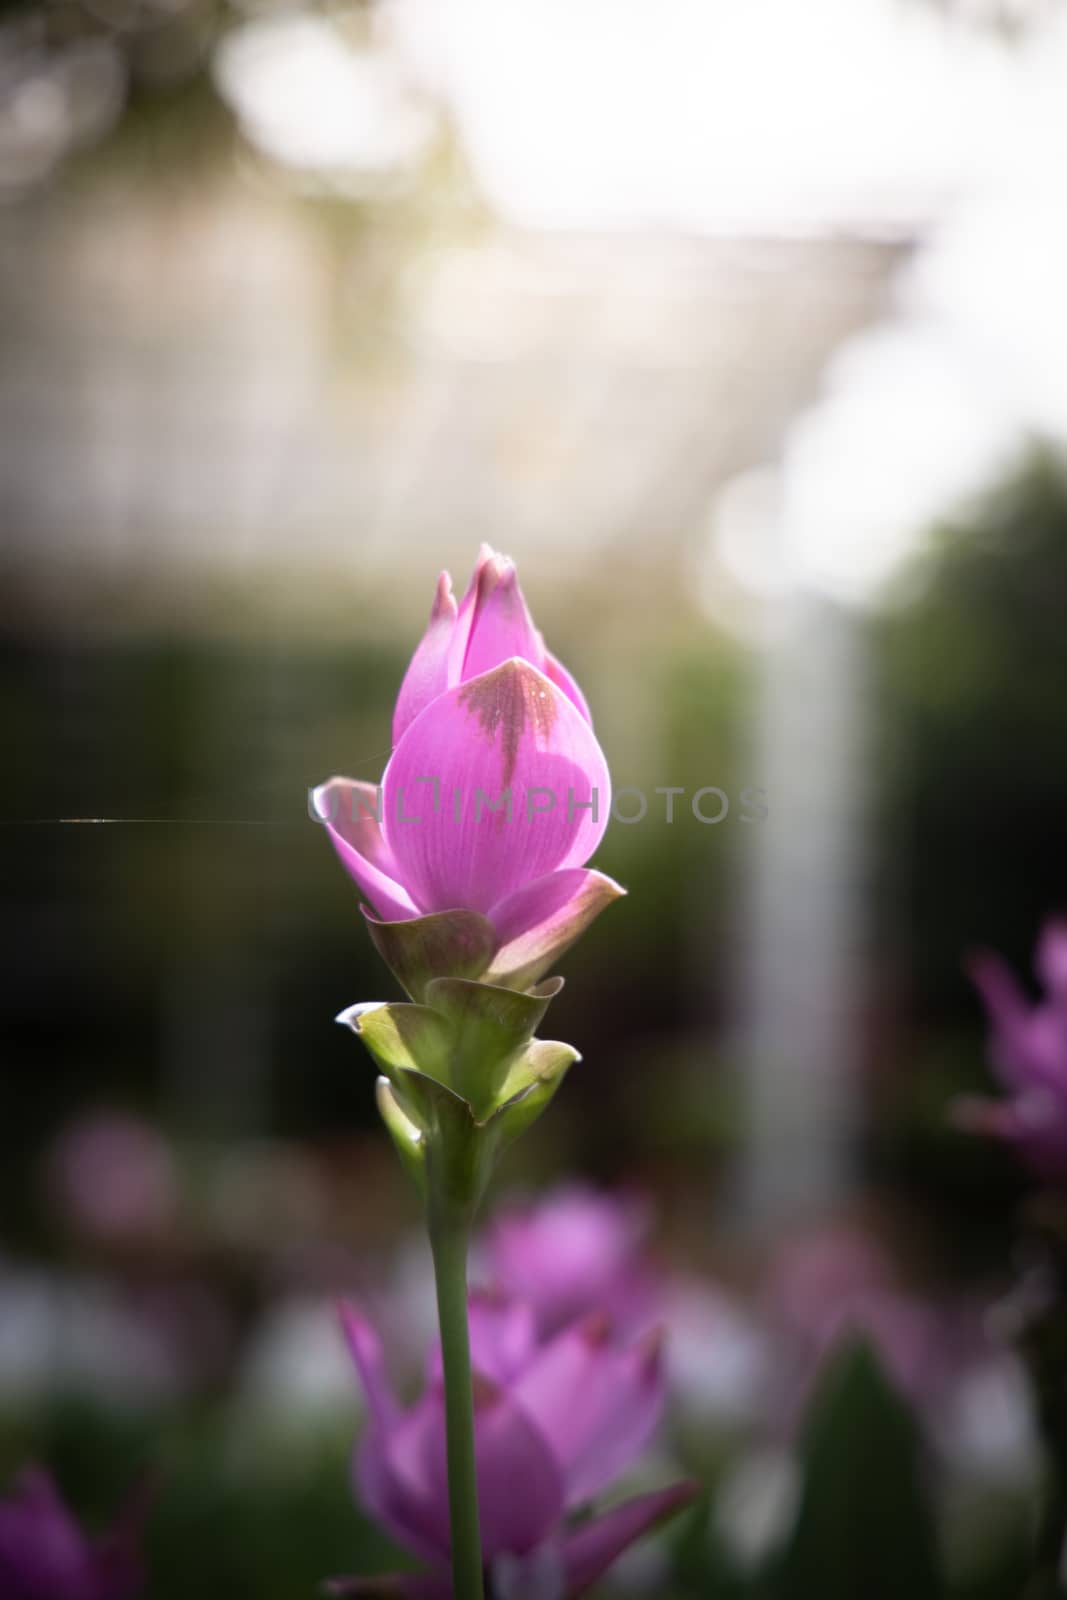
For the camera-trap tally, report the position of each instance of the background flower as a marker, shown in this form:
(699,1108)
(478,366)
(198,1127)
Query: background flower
(572,1251)
(556,1422)
(1029,1055)
(44,1555)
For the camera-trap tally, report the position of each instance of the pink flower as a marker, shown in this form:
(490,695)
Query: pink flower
(44,1555)
(838,1283)
(555,1423)
(496,795)
(939,1349)
(1029,1056)
(574,1251)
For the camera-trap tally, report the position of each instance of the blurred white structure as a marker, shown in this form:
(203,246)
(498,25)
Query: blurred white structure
(915,418)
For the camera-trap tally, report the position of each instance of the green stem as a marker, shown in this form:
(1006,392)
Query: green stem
(449,1240)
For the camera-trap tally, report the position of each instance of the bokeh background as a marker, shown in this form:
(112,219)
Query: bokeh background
(738,323)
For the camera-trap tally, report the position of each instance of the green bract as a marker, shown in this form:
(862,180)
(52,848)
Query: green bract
(454,943)
(465,944)
(462,1076)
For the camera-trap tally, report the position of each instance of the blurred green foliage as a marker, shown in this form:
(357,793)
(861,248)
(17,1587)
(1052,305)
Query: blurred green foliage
(864,1526)
(971,802)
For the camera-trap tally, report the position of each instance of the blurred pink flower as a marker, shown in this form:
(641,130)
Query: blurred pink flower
(114,1176)
(572,1252)
(838,1283)
(484,711)
(1029,1056)
(44,1555)
(967,1386)
(556,1423)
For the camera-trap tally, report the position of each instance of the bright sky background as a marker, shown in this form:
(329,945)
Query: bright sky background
(760,117)
(709,114)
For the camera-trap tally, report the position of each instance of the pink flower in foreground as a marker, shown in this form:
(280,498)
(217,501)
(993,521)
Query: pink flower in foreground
(573,1252)
(44,1555)
(556,1422)
(496,794)
(1029,1056)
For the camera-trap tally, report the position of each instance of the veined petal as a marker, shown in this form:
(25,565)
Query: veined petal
(543,918)
(566,681)
(589,1551)
(510,739)
(501,626)
(597,1406)
(348,809)
(427,674)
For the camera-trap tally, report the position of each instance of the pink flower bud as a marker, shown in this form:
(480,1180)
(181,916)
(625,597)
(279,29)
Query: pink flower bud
(496,795)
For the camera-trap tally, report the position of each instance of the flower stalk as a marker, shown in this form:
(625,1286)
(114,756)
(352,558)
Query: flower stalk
(449,1241)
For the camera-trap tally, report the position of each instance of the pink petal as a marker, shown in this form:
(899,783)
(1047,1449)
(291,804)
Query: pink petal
(427,674)
(365,1348)
(559,675)
(597,1406)
(1009,1013)
(503,1336)
(403,1504)
(461,636)
(39,1537)
(510,1452)
(507,731)
(589,1551)
(411,1513)
(543,918)
(576,1251)
(501,626)
(1035,1121)
(348,810)
(1052,958)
